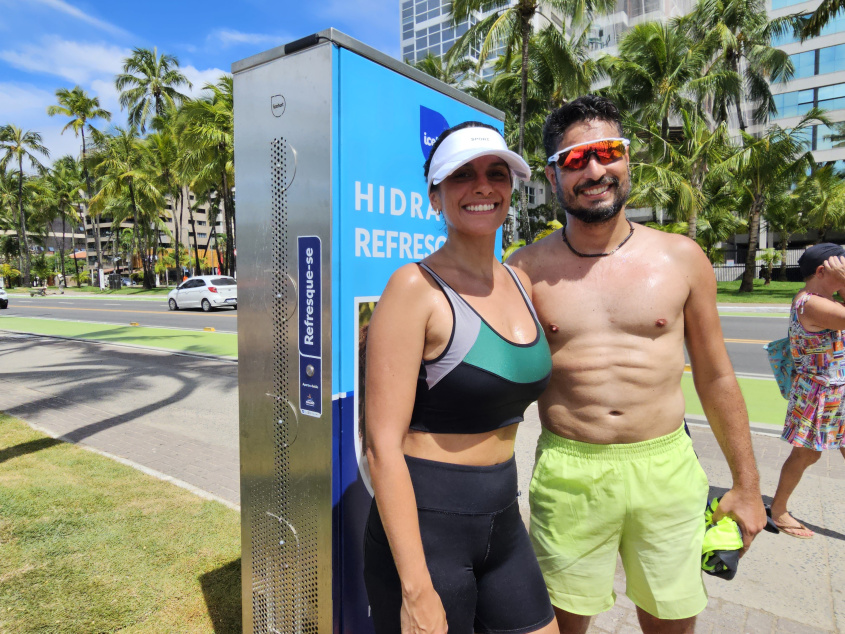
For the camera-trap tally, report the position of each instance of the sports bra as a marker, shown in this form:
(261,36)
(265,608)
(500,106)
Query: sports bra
(481,381)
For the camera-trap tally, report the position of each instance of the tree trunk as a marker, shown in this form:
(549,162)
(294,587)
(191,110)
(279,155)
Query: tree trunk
(735,68)
(177,236)
(784,243)
(192,220)
(228,218)
(95,220)
(26,261)
(523,196)
(747,284)
(62,246)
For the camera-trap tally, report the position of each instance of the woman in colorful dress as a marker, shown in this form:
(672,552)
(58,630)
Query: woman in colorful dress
(815,416)
(455,354)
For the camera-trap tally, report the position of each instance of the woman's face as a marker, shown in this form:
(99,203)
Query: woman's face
(475,198)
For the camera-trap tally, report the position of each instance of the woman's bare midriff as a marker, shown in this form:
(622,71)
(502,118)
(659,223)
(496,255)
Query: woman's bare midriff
(488,448)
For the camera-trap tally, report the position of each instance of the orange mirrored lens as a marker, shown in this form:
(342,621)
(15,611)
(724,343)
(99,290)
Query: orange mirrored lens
(606,152)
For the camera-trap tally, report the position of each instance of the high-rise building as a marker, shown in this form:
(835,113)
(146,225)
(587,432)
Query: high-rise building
(819,80)
(427,28)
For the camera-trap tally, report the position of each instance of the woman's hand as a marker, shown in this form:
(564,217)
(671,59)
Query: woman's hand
(423,613)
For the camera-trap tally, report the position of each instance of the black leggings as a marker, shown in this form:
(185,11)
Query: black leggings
(476,549)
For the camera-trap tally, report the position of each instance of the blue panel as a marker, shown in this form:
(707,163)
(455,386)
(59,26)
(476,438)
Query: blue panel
(386,124)
(310,327)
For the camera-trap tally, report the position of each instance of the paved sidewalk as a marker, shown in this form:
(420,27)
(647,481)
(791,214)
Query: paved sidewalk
(67,388)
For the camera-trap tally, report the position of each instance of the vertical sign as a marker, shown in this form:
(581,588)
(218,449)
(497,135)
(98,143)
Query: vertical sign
(310,326)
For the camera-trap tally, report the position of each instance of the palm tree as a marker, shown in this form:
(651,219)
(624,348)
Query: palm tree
(17,145)
(510,27)
(64,184)
(207,127)
(823,14)
(82,109)
(824,195)
(127,190)
(446,69)
(786,215)
(660,73)
(739,34)
(148,85)
(775,156)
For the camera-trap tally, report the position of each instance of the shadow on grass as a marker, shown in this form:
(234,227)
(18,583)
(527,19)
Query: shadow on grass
(222,591)
(89,377)
(27,448)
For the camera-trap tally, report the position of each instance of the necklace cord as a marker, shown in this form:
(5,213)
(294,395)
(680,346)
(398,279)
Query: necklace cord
(597,255)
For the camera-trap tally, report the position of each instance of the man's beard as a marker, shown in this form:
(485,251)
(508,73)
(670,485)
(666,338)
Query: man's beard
(602,212)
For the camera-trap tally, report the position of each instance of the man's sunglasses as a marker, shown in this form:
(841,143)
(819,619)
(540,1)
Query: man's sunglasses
(576,157)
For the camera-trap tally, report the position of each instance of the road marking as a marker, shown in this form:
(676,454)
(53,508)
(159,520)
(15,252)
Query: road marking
(118,310)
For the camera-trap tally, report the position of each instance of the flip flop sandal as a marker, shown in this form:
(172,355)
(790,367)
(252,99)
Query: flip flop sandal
(788,529)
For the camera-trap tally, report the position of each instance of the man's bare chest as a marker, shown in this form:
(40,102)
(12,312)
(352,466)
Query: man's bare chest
(641,302)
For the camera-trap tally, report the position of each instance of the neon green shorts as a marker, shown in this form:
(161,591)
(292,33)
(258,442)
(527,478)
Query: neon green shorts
(642,500)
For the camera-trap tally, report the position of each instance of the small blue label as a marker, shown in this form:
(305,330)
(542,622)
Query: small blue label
(310,326)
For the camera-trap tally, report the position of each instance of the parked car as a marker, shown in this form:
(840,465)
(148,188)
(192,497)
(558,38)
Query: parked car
(125,281)
(4,298)
(204,291)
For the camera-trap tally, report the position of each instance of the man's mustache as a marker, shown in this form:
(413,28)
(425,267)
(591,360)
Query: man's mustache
(604,180)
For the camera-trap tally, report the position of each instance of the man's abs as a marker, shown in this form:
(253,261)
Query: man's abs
(625,390)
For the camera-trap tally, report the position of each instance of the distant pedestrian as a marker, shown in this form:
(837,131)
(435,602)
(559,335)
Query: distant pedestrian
(815,416)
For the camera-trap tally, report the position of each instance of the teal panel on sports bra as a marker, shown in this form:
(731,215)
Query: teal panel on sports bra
(518,363)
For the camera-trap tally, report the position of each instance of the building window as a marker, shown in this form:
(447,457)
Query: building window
(826,138)
(780,4)
(201,223)
(836,25)
(793,104)
(831,59)
(202,235)
(832,97)
(532,195)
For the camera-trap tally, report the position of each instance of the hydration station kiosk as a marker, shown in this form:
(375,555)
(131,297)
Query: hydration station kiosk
(330,140)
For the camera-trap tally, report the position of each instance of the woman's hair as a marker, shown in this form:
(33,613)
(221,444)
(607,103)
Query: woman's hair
(444,134)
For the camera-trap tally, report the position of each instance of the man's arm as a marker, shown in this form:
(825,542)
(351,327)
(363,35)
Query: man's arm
(718,390)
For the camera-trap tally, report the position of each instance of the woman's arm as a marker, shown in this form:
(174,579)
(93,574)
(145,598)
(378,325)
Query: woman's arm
(820,313)
(395,346)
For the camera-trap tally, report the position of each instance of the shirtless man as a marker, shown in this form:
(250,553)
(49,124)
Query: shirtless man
(615,471)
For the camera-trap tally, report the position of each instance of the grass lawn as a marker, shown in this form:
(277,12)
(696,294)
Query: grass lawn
(91,545)
(222,344)
(774,293)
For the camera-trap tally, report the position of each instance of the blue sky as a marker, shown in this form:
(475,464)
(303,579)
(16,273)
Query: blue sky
(49,44)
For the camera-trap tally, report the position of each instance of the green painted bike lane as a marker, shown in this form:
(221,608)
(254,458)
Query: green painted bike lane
(217,344)
(765,404)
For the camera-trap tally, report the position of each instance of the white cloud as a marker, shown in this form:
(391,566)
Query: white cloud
(25,106)
(68,9)
(230,37)
(22,100)
(200,78)
(75,61)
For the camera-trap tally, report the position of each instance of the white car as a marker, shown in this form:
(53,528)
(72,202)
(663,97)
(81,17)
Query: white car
(4,298)
(204,291)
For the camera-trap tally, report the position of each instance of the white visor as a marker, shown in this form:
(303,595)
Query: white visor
(462,146)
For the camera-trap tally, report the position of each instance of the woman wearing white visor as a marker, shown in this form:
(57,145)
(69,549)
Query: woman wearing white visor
(454,356)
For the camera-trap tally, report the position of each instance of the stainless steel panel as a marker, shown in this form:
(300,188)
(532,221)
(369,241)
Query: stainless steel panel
(349,43)
(283,171)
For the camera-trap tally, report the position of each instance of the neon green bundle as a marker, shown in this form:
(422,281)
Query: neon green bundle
(722,544)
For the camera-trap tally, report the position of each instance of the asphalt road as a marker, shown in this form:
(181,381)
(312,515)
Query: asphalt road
(111,310)
(173,413)
(744,336)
